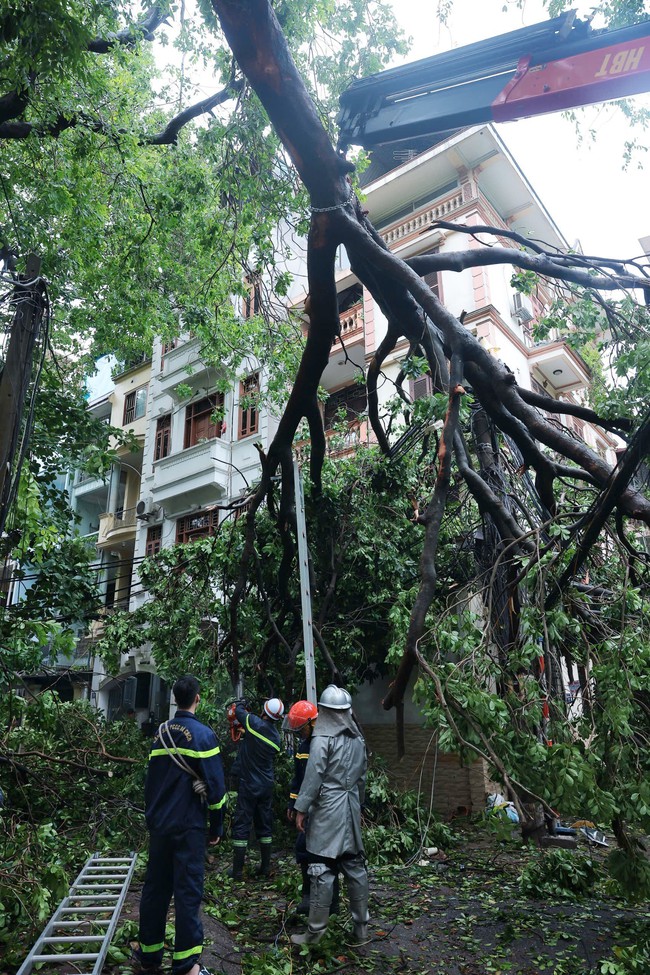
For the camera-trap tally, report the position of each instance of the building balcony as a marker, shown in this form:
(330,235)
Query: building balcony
(175,365)
(195,476)
(558,365)
(344,443)
(89,484)
(338,443)
(351,325)
(117,528)
(415,224)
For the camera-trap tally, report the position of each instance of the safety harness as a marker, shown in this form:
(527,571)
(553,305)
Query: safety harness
(198,785)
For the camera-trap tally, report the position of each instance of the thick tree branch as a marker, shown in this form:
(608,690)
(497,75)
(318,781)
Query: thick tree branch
(144,30)
(555,265)
(550,405)
(637,451)
(432,520)
(169,135)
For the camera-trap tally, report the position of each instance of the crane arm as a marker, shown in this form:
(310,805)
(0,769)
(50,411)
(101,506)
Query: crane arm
(558,64)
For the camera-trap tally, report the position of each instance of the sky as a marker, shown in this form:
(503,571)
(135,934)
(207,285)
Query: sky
(584,187)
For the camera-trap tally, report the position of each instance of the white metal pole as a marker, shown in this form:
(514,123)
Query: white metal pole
(305,592)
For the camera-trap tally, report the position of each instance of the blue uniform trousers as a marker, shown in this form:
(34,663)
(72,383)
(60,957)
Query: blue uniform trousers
(176,866)
(252,810)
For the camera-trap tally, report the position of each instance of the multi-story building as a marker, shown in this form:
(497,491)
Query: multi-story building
(199,452)
(469,179)
(106,508)
(196,452)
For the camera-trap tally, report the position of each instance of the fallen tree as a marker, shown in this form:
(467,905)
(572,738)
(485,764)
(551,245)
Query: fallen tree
(541,562)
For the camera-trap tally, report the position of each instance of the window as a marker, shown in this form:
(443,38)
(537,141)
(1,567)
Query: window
(154,540)
(432,279)
(199,422)
(135,405)
(168,346)
(253,300)
(350,401)
(579,427)
(199,525)
(7,583)
(421,387)
(249,390)
(162,446)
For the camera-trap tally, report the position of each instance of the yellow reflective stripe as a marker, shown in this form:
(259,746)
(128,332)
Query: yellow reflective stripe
(149,948)
(261,737)
(218,805)
(293,795)
(302,755)
(190,752)
(179,955)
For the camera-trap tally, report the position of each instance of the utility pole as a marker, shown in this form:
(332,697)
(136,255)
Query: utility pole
(28,301)
(305,591)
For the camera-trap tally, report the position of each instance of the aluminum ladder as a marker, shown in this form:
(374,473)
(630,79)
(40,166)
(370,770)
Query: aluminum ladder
(84,923)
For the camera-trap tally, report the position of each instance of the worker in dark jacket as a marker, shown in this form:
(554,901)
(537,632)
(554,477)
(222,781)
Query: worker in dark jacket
(300,721)
(184,783)
(258,749)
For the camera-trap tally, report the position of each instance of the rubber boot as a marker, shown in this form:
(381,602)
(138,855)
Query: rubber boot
(360,918)
(264,868)
(318,917)
(238,858)
(303,906)
(336,897)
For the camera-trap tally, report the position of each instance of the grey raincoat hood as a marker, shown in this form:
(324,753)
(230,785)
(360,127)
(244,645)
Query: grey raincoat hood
(331,723)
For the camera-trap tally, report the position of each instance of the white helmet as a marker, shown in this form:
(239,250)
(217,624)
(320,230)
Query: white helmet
(274,708)
(336,698)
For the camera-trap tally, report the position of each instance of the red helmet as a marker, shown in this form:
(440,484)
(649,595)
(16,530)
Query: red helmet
(300,713)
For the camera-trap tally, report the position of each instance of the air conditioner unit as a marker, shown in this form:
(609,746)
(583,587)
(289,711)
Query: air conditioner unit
(522,308)
(146,509)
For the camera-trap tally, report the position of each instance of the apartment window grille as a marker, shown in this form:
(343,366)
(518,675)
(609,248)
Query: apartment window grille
(154,540)
(579,427)
(168,346)
(538,388)
(135,404)
(199,525)
(346,404)
(253,300)
(432,279)
(421,386)
(7,583)
(163,437)
(200,420)
(249,389)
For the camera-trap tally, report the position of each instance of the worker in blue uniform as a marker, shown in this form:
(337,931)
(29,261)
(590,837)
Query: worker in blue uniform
(300,720)
(258,749)
(184,785)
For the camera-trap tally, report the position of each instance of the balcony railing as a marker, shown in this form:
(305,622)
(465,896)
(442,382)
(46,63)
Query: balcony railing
(417,223)
(351,320)
(341,443)
(116,522)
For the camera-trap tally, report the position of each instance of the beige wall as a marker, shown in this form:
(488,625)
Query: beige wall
(455,787)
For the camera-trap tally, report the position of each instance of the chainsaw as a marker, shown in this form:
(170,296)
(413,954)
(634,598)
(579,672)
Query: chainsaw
(236,727)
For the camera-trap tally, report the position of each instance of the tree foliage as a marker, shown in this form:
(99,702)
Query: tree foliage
(553,563)
(525,547)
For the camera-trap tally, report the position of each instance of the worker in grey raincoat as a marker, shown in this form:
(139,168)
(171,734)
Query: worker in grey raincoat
(331,795)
